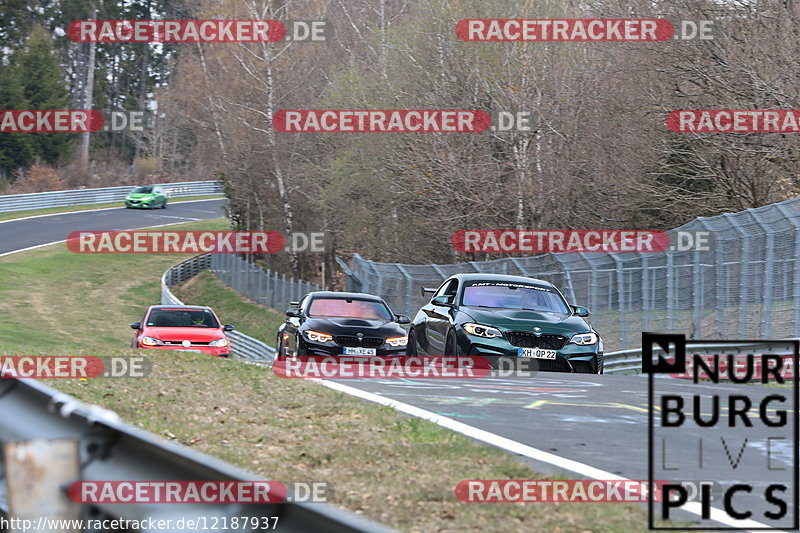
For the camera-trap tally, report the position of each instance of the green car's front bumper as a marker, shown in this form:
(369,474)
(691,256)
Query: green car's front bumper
(145,203)
(569,358)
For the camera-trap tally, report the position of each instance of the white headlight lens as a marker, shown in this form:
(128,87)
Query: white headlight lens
(397,341)
(480,330)
(150,341)
(584,339)
(219,343)
(316,336)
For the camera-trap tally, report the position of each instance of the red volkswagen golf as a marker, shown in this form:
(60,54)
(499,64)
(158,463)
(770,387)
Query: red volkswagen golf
(191,328)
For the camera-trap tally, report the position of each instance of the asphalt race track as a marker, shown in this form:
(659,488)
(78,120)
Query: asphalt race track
(600,421)
(19,234)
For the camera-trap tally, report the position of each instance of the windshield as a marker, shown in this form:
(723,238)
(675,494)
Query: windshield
(503,295)
(142,190)
(182,318)
(349,308)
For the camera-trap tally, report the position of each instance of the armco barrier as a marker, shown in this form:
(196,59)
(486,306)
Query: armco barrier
(242,346)
(630,361)
(111,450)
(40,200)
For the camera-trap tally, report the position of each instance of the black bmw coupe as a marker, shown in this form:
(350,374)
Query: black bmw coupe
(341,323)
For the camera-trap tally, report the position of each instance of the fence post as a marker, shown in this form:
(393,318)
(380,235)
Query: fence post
(283,290)
(407,300)
(645,292)
(623,337)
(697,293)
(670,302)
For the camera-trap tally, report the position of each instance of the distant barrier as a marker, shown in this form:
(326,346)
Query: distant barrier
(41,200)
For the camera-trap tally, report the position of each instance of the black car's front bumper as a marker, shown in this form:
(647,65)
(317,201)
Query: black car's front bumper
(331,348)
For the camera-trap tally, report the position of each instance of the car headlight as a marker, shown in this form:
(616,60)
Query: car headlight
(584,339)
(479,330)
(150,341)
(219,343)
(397,341)
(317,336)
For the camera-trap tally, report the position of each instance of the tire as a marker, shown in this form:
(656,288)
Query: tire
(451,346)
(164,205)
(411,351)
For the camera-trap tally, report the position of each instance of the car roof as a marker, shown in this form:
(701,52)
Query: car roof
(337,294)
(195,307)
(500,277)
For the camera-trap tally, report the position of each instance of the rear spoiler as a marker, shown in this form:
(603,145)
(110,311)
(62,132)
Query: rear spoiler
(426,290)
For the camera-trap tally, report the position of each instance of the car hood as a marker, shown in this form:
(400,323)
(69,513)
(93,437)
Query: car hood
(351,326)
(524,319)
(179,334)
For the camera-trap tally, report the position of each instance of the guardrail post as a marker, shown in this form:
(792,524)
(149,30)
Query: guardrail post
(670,281)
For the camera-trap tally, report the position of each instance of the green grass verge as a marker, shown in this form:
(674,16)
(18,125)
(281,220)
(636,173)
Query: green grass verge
(248,317)
(67,209)
(395,469)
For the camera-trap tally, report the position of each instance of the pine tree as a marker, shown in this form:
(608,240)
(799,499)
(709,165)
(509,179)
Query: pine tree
(16,149)
(44,87)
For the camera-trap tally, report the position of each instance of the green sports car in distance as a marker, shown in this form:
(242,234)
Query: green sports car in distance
(148,197)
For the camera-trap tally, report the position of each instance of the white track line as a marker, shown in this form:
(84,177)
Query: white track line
(521,449)
(92,210)
(132,229)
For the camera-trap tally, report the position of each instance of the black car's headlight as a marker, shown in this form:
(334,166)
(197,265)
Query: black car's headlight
(317,336)
(585,339)
(479,330)
(396,342)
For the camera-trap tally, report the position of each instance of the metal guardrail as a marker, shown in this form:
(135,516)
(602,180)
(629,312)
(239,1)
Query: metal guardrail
(111,450)
(630,361)
(242,346)
(39,200)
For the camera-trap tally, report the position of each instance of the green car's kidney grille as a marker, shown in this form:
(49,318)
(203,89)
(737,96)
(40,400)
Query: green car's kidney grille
(524,339)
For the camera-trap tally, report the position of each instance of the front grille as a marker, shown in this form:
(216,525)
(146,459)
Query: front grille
(550,365)
(524,339)
(351,341)
(178,343)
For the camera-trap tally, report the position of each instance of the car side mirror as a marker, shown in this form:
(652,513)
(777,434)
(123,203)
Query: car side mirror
(580,311)
(294,312)
(402,319)
(136,325)
(228,327)
(445,300)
